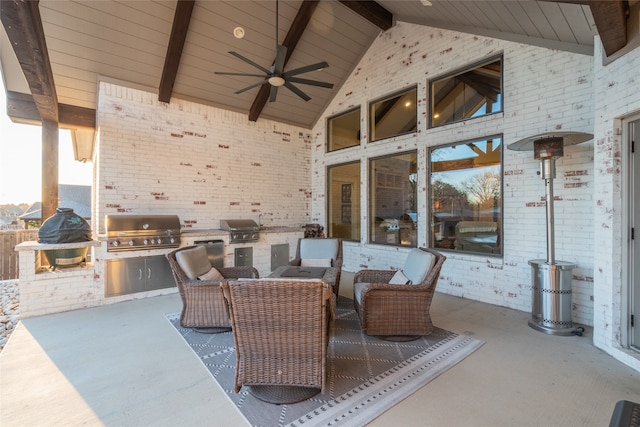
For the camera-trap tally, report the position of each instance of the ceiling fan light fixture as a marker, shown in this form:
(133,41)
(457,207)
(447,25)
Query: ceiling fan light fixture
(276,81)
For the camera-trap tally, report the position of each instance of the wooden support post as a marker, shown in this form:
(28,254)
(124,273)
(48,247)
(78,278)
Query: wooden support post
(49,168)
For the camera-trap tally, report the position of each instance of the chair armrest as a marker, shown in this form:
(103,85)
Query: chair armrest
(202,283)
(373,276)
(295,261)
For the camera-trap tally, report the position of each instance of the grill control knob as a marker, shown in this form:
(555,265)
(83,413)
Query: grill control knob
(158,240)
(130,242)
(115,243)
(172,240)
(145,241)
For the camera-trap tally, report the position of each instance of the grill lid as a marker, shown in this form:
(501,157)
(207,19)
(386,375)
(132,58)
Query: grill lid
(119,224)
(239,225)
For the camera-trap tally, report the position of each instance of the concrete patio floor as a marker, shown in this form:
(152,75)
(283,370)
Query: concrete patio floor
(125,365)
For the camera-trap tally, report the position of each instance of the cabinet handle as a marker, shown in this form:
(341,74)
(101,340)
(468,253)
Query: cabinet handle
(139,274)
(148,273)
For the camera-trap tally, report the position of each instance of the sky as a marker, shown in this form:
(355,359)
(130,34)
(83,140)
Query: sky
(21,163)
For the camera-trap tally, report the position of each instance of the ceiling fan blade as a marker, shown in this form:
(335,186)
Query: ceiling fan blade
(273,93)
(252,86)
(250,62)
(281,54)
(311,82)
(221,73)
(305,69)
(297,91)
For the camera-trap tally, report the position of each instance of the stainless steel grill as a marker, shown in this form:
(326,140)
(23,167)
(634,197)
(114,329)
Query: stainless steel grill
(241,230)
(136,232)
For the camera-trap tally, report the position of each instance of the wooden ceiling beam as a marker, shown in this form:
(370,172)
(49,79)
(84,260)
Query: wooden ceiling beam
(611,20)
(372,12)
(21,108)
(23,24)
(291,40)
(179,30)
(610,17)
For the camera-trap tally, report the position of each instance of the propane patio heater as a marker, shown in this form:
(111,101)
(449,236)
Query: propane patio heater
(551,279)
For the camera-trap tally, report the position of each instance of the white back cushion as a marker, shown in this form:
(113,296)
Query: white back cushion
(417,265)
(194,261)
(319,249)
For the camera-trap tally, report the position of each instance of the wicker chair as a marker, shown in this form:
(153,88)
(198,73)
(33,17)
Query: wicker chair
(203,306)
(319,248)
(398,311)
(281,331)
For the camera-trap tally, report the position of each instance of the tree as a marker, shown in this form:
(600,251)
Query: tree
(483,189)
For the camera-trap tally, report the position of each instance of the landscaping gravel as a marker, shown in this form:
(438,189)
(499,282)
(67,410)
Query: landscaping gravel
(9,310)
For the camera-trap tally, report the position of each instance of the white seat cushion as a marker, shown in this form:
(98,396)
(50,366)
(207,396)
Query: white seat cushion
(212,275)
(194,262)
(319,249)
(357,291)
(400,279)
(417,265)
(310,262)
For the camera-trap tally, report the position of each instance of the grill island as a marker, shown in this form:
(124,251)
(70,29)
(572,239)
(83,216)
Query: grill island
(551,279)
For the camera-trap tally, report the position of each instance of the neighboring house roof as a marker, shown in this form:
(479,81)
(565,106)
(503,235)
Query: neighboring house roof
(76,197)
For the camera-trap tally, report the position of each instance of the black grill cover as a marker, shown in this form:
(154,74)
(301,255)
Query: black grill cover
(64,227)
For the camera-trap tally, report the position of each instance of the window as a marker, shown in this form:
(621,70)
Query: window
(393,210)
(473,92)
(466,196)
(343,130)
(393,116)
(344,201)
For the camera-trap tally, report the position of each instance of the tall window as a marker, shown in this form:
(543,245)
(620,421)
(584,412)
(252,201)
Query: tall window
(344,201)
(394,115)
(343,130)
(472,92)
(393,210)
(466,196)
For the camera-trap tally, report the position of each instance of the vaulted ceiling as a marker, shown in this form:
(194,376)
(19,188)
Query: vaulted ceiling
(54,52)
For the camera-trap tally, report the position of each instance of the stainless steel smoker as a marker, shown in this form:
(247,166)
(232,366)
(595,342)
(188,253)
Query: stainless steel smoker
(551,279)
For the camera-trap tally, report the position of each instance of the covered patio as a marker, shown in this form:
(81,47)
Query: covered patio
(169,136)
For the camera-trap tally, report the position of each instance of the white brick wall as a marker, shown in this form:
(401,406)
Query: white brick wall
(616,97)
(544,90)
(201,163)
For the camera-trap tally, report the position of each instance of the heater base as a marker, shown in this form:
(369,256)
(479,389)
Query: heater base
(565,332)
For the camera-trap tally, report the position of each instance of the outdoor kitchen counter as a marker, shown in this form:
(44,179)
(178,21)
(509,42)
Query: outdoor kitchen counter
(213,232)
(33,245)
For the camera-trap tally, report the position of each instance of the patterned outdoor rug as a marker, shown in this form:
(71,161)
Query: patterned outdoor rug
(365,375)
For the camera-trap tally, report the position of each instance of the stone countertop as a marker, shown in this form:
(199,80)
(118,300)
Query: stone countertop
(219,232)
(33,245)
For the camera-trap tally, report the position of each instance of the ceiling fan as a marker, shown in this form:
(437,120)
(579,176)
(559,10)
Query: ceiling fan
(276,76)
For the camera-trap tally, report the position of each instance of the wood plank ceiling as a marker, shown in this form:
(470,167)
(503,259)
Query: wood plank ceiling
(63,48)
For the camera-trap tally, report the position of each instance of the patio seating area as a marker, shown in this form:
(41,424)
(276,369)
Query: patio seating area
(124,364)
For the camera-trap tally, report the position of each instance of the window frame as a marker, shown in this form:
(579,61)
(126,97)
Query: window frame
(356,202)
(336,116)
(371,199)
(458,72)
(430,212)
(397,94)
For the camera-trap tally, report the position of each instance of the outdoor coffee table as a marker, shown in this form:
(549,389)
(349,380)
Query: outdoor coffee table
(326,274)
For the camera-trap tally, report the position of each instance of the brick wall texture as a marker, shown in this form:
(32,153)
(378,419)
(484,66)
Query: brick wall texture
(544,90)
(202,163)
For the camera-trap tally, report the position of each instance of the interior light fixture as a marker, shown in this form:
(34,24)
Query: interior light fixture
(407,104)
(276,81)
(426,3)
